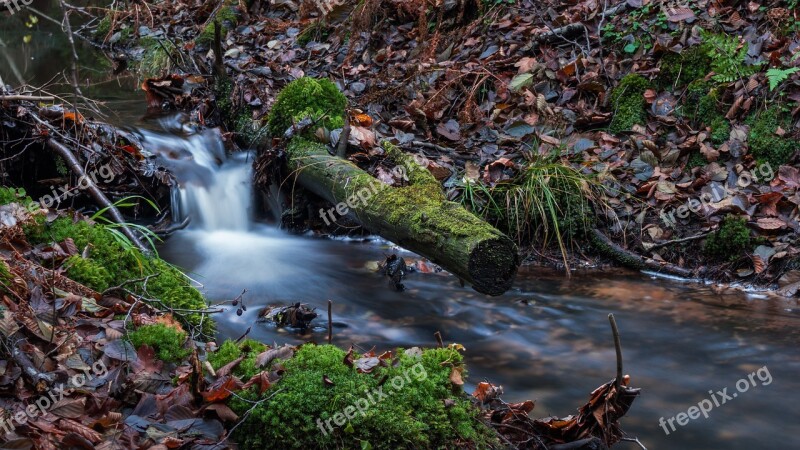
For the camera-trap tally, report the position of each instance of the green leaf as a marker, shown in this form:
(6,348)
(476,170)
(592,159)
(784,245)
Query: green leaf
(631,47)
(520,81)
(778,76)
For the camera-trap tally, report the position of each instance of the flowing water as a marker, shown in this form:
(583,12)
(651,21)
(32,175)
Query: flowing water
(547,339)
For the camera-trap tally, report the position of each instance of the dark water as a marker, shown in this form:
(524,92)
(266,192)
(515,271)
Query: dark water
(547,339)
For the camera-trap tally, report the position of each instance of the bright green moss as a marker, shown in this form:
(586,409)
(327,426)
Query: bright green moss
(764,144)
(109,263)
(627,103)
(413,415)
(730,241)
(13,195)
(167,341)
(307,97)
(230,350)
(680,69)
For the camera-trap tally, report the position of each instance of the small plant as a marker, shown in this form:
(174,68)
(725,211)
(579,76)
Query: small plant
(730,241)
(728,57)
(778,76)
(548,200)
(13,195)
(167,341)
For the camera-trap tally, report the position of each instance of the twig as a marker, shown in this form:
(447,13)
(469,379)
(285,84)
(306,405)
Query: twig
(618,348)
(42,98)
(330,322)
(439,340)
(678,241)
(95,192)
(341,148)
(634,440)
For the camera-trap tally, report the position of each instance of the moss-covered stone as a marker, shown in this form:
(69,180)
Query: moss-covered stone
(307,97)
(111,263)
(730,241)
(764,144)
(423,408)
(627,103)
(167,341)
(680,69)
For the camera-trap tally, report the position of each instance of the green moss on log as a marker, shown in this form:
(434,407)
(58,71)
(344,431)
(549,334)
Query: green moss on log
(318,99)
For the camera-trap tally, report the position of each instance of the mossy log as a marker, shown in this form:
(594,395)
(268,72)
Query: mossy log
(416,217)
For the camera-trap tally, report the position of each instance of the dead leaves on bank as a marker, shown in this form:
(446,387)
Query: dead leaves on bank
(597,420)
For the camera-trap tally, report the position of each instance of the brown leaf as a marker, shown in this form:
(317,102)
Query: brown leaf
(455,376)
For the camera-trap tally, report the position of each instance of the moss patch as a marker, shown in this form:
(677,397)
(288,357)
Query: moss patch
(730,241)
(680,69)
(413,414)
(764,144)
(230,350)
(109,263)
(307,97)
(627,103)
(167,341)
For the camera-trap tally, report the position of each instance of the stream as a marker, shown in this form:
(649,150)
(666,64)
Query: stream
(547,339)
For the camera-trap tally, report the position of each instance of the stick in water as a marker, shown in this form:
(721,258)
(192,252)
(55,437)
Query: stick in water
(330,322)
(618,347)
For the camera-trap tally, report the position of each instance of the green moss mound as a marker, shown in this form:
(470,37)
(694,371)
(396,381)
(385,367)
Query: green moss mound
(319,389)
(230,350)
(730,241)
(680,69)
(110,263)
(307,97)
(627,103)
(167,341)
(764,144)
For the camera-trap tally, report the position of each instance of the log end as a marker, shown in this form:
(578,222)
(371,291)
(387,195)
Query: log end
(493,265)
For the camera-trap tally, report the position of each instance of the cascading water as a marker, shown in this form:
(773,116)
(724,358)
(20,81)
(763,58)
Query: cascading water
(546,339)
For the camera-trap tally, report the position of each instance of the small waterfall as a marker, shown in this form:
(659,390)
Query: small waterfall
(214,190)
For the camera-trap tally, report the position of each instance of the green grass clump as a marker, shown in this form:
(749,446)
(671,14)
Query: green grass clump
(230,350)
(764,144)
(730,240)
(307,97)
(680,69)
(167,341)
(111,263)
(415,415)
(627,103)
(155,59)
(6,278)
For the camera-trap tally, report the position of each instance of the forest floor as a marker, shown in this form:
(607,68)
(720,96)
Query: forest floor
(666,130)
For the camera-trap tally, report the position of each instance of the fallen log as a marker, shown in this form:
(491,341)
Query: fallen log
(417,217)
